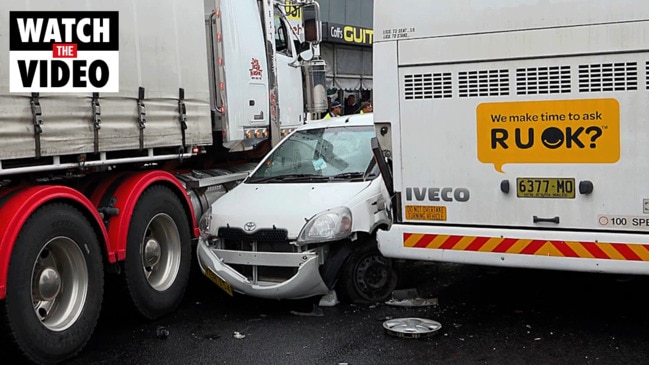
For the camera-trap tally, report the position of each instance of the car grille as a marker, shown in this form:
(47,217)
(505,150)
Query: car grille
(260,235)
(265,240)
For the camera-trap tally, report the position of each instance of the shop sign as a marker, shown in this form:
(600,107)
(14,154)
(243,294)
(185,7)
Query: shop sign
(349,34)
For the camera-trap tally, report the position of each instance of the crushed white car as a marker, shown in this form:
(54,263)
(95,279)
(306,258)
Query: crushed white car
(303,223)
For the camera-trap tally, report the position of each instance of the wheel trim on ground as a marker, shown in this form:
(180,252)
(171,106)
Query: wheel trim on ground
(372,277)
(161,252)
(59,284)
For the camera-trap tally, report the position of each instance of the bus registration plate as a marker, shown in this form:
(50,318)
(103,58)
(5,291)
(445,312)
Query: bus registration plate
(545,187)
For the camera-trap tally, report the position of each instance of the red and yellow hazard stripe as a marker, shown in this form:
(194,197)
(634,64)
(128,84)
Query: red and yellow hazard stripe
(590,250)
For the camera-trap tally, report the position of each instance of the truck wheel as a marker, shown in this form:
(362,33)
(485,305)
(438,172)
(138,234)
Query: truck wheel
(54,284)
(367,277)
(158,253)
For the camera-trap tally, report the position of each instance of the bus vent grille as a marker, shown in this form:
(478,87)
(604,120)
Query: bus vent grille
(543,80)
(483,83)
(428,86)
(618,76)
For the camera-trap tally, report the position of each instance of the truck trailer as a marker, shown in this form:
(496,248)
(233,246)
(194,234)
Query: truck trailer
(120,124)
(511,132)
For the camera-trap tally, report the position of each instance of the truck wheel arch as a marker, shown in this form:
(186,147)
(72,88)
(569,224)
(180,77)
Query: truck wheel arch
(19,205)
(127,191)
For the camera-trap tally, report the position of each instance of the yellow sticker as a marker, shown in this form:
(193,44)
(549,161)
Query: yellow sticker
(426,212)
(551,131)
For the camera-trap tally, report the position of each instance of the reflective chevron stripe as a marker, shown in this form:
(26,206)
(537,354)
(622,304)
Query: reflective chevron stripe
(591,250)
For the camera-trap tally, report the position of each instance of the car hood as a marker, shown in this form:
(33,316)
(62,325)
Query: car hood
(283,206)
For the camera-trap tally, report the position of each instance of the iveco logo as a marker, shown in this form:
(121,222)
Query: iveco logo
(438,194)
(249,227)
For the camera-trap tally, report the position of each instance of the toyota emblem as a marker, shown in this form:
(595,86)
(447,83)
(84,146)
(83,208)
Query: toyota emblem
(249,227)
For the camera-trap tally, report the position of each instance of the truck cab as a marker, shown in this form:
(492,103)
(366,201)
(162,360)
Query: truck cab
(256,61)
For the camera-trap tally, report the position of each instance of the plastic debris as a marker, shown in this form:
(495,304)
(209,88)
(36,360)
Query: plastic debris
(316,312)
(162,332)
(401,294)
(416,302)
(329,300)
(410,298)
(238,335)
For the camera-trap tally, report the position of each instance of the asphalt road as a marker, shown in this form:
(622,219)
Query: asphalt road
(488,316)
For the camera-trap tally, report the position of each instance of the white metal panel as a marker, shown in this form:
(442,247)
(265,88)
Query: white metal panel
(440,150)
(548,42)
(291,97)
(244,49)
(423,19)
(385,103)
(289,76)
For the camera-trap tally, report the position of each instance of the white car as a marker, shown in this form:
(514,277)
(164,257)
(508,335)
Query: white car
(303,223)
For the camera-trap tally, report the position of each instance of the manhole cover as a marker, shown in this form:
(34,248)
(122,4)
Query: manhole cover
(411,327)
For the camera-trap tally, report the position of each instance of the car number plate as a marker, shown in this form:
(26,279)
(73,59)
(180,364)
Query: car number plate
(224,285)
(426,212)
(545,187)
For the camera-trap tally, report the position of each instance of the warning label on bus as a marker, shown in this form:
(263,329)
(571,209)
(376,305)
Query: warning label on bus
(623,221)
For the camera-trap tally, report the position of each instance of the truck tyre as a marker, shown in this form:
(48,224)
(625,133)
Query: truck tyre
(54,284)
(367,277)
(158,253)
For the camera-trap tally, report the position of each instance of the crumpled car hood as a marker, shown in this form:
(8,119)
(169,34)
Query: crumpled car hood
(283,206)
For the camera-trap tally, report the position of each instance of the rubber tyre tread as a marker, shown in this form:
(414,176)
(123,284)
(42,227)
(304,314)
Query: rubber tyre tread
(346,287)
(149,302)
(34,341)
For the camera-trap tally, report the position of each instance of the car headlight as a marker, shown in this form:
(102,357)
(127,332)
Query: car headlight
(205,223)
(330,225)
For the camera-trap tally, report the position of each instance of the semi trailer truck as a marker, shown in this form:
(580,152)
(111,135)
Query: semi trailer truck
(120,123)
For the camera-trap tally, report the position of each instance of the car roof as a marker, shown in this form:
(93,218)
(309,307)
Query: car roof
(365,119)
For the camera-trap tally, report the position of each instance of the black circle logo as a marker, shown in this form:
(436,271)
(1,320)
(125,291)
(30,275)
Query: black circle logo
(552,138)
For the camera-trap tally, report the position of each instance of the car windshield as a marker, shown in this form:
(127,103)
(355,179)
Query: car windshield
(327,154)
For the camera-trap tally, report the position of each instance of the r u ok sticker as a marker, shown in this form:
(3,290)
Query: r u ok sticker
(56,51)
(556,131)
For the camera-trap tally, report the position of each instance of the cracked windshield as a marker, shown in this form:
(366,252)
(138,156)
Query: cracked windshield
(320,154)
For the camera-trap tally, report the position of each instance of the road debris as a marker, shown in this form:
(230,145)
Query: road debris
(315,312)
(162,332)
(329,300)
(411,327)
(410,298)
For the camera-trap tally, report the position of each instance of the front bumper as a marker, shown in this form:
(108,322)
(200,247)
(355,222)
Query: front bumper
(307,282)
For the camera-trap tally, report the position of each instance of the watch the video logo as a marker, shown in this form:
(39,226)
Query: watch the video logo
(56,51)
